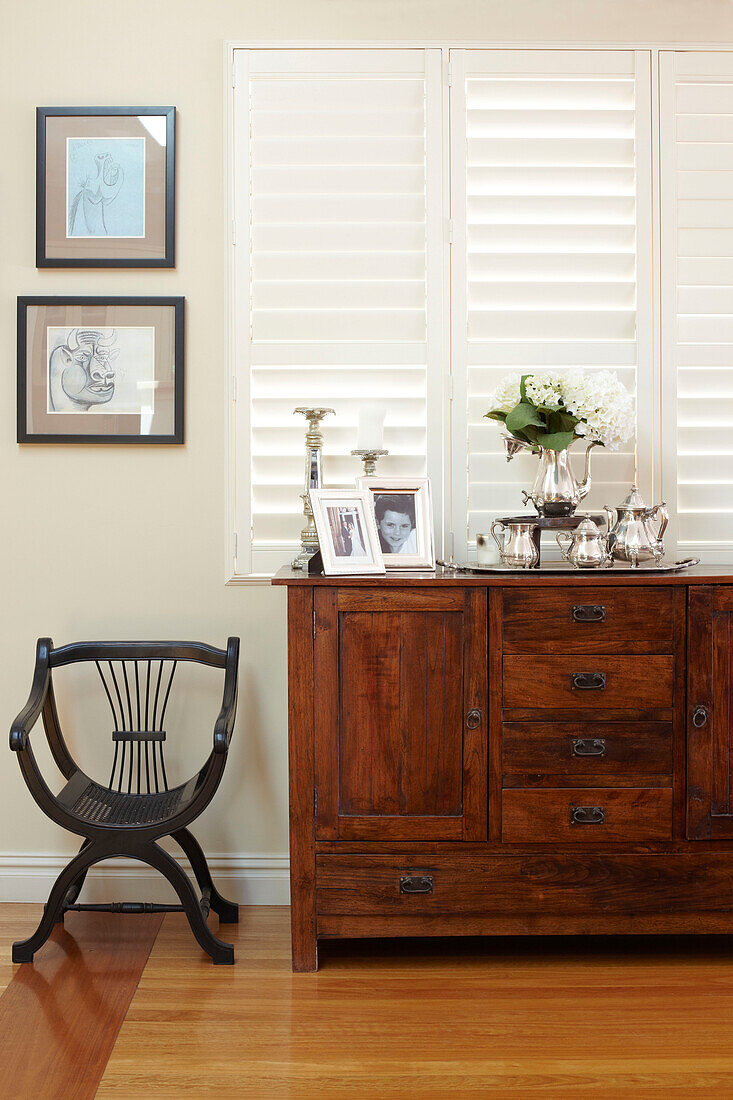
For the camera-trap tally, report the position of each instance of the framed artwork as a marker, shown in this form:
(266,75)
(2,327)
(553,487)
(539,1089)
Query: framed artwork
(100,370)
(105,186)
(404,516)
(347,533)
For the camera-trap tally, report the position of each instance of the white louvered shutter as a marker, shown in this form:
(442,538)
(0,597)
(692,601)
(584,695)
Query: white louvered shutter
(696,135)
(338,219)
(550,192)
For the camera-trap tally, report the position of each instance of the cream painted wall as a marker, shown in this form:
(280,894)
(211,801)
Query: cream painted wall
(128,542)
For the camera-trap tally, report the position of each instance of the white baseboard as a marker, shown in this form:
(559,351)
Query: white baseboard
(247,879)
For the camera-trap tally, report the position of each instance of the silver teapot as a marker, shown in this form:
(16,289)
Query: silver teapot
(586,547)
(631,537)
(516,546)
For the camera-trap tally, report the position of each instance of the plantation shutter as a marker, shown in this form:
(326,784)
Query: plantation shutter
(696,134)
(339,220)
(550,193)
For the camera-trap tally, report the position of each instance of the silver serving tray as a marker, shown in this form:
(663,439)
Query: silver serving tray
(565,569)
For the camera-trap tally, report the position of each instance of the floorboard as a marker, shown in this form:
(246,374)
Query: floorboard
(60,1015)
(648,1016)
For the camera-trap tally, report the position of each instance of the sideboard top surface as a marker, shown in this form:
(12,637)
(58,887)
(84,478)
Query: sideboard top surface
(698,574)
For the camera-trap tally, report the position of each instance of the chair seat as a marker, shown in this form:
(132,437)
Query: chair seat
(101,806)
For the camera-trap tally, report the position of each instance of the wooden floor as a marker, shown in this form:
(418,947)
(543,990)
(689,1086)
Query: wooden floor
(649,1017)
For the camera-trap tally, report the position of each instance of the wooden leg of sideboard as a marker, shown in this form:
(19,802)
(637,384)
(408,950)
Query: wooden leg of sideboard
(302,786)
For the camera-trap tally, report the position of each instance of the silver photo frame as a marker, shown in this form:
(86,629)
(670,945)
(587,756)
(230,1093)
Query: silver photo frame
(403,513)
(347,532)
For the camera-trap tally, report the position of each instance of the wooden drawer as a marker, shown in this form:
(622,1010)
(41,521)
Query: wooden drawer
(586,815)
(613,682)
(574,750)
(588,620)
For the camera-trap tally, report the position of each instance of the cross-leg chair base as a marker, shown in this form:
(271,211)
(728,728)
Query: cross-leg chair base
(24,950)
(68,885)
(226,911)
(220,952)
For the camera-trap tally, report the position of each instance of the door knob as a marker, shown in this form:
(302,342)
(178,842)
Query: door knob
(473,719)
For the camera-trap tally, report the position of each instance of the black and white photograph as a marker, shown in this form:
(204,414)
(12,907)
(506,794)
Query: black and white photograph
(404,518)
(347,531)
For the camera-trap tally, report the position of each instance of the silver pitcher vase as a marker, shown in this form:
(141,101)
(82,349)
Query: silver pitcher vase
(556,491)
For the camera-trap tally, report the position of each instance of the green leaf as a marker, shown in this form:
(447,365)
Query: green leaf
(522,415)
(561,422)
(523,386)
(556,441)
(495,414)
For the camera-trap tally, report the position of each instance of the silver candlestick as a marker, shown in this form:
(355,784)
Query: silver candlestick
(313,480)
(369,457)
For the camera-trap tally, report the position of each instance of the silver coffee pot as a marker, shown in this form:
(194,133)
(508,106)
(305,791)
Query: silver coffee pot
(585,547)
(631,537)
(516,546)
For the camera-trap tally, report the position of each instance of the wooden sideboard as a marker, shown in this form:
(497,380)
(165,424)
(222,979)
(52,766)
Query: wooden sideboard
(509,754)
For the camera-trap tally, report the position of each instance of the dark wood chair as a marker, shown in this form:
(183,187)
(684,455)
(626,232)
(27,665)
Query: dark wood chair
(137,808)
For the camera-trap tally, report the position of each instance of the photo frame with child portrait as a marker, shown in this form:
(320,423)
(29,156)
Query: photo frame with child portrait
(347,531)
(403,514)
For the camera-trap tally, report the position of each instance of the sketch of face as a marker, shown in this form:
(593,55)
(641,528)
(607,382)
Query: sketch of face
(81,371)
(395,528)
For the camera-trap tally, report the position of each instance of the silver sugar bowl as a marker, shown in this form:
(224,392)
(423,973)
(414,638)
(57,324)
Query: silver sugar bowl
(586,547)
(516,545)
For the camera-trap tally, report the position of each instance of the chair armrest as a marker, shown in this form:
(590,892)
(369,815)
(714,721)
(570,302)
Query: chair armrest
(225,722)
(23,724)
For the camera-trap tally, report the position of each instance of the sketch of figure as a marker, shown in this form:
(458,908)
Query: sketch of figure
(105,187)
(90,200)
(101,370)
(81,373)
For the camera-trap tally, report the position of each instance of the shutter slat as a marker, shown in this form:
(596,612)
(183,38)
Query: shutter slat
(555,153)
(543,181)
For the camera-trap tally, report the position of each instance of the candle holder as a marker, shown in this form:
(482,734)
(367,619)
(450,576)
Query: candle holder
(313,480)
(369,457)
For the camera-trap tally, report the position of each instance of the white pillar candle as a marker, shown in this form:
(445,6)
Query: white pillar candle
(370,435)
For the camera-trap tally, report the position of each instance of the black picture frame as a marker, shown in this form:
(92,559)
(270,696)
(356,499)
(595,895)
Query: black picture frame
(177,436)
(169,257)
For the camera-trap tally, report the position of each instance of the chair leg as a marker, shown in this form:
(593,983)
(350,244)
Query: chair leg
(220,952)
(24,950)
(227,911)
(74,890)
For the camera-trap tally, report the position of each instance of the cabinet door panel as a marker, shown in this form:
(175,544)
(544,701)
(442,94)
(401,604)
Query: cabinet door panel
(394,756)
(710,714)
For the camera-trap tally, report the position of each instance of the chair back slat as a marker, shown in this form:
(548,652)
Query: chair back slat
(114,765)
(138,699)
(167,692)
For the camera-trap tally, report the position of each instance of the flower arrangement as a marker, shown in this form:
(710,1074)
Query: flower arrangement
(553,408)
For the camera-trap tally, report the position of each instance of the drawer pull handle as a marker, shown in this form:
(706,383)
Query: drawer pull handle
(589,746)
(699,717)
(589,613)
(473,719)
(588,681)
(587,815)
(416,884)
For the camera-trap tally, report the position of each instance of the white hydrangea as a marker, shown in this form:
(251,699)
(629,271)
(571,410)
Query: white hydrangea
(506,395)
(545,388)
(603,405)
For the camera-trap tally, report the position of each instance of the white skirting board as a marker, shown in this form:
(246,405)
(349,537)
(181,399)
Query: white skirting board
(247,879)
